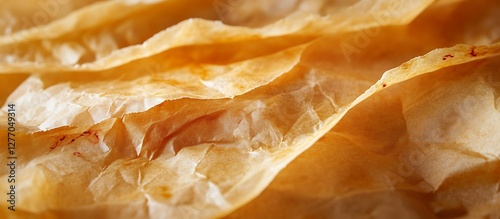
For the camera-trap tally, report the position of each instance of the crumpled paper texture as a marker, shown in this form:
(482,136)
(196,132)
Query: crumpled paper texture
(105,44)
(424,152)
(323,110)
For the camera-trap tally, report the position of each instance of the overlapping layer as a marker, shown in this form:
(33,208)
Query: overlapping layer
(197,120)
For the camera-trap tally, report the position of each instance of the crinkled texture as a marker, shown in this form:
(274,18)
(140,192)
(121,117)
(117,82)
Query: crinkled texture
(121,99)
(74,101)
(75,39)
(197,125)
(104,46)
(430,150)
(151,159)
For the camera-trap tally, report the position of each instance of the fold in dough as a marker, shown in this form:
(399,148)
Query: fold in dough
(428,148)
(150,164)
(70,102)
(188,72)
(346,114)
(106,46)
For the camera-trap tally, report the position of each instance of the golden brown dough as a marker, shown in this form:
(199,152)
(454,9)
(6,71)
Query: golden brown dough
(326,109)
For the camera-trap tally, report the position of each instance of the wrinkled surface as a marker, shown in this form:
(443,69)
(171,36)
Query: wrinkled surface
(255,109)
(418,150)
(106,45)
(94,98)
